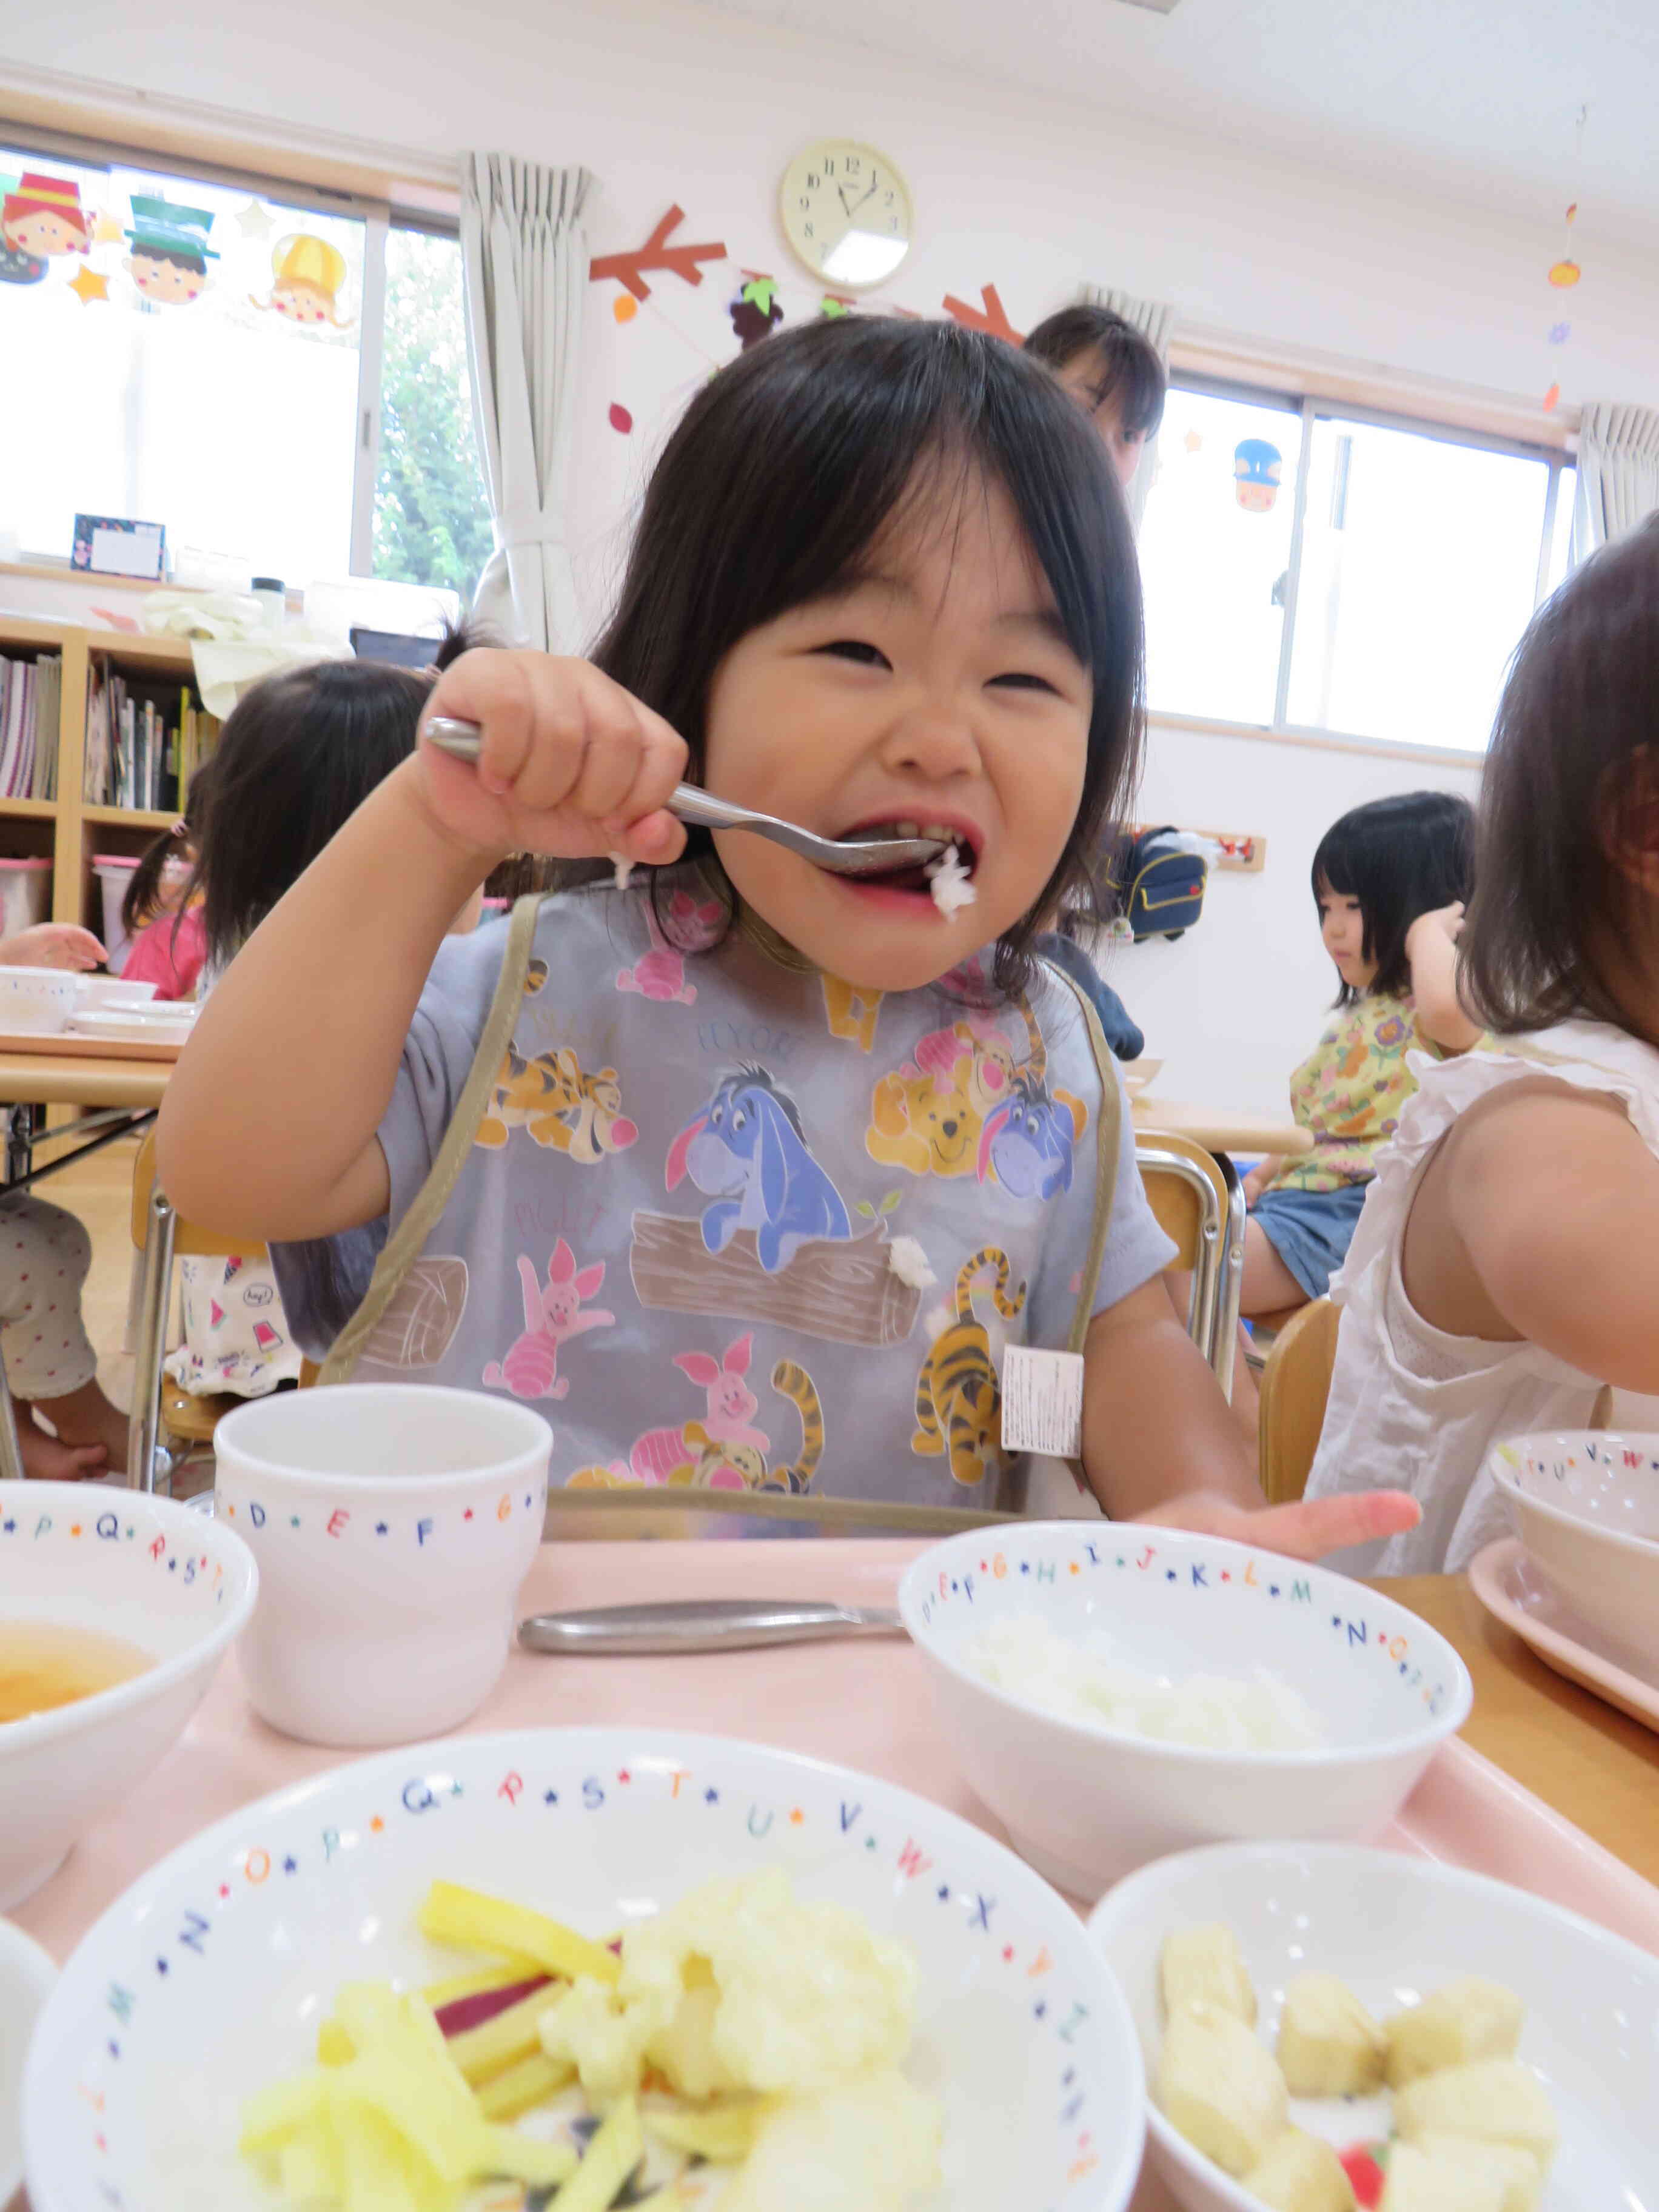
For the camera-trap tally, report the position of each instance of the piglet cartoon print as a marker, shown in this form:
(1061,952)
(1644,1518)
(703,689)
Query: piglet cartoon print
(660,973)
(553,1315)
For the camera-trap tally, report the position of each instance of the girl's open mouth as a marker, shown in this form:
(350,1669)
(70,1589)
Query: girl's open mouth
(917,877)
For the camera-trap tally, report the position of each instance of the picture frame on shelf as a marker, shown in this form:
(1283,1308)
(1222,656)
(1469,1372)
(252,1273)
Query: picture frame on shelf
(115,546)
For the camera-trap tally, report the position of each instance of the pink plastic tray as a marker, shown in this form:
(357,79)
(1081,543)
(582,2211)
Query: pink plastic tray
(863,1704)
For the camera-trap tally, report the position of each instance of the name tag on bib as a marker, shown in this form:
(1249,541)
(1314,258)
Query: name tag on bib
(1042,1402)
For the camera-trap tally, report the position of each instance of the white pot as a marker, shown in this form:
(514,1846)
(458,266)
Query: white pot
(1585,1504)
(392,1523)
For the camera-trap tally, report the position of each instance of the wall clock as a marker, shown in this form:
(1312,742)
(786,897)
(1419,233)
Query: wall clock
(847,214)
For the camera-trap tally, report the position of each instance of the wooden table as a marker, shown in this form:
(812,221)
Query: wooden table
(1218,1128)
(1590,1763)
(127,1091)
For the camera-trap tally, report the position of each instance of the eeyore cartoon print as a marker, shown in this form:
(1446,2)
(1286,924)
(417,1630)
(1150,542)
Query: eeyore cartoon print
(748,1152)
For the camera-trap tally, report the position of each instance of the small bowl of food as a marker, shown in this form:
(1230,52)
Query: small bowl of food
(1113,1693)
(106,993)
(628,1965)
(37,1001)
(1586,1505)
(392,1523)
(115,1610)
(1325,2026)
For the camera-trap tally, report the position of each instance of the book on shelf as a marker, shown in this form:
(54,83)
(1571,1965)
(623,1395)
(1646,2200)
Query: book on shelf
(30,693)
(142,753)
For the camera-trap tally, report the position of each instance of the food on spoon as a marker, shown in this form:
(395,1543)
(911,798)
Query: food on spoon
(1460,2176)
(1495,2101)
(1220,2088)
(1300,2173)
(1466,2021)
(949,882)
(1203,1965)
(1329,2043)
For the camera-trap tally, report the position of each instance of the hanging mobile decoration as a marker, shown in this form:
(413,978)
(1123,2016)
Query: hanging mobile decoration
(756,312)
(1566,273)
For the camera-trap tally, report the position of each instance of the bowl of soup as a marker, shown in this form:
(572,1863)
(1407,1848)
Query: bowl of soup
(115,1610)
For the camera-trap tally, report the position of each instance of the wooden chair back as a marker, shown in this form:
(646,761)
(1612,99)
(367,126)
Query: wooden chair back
(1295,1384)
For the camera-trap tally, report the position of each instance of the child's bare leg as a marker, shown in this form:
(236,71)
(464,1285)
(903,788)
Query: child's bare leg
(45,1458)
(1268,1285)
(87,1417)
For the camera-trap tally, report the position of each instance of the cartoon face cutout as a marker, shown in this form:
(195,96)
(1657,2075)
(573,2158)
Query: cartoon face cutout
(1258,470)
(301,303)
(44,232)
(169,280)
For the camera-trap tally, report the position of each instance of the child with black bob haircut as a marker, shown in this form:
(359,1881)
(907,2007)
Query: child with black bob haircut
(758,1172)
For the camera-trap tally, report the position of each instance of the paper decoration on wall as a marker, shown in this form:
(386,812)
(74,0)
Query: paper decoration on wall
(255,221)
(17,268)
(88,286)
(105,228)
(624,307)
(1258,468)
(756,312)
(991,318)
(1552,399)
(44,217)
(629,269)
(833,306)
(308,273)
(170,253)
(1559,333)
(620,419)
(1566,273)
(1193,441)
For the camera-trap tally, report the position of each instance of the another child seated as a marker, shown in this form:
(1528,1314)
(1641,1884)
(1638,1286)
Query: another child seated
(1389,880)
(45,1253)
(1507,1265)
(161,914)
(749,1172)
(298,755)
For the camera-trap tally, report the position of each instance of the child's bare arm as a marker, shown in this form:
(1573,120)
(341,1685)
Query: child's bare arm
(1160,1445)
(1431,948)
(269,1125)
(1554,1199)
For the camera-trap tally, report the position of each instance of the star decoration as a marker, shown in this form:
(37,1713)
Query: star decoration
(1193,441)
(105,230)
(253,221)
(89,286)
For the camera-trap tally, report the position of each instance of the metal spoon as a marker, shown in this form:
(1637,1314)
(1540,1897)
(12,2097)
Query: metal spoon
(847,857)
(687,1625)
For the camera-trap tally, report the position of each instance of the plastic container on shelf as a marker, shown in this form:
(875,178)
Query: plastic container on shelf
(25,895)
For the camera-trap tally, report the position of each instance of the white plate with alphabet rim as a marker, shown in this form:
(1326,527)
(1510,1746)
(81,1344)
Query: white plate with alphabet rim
(208,1979)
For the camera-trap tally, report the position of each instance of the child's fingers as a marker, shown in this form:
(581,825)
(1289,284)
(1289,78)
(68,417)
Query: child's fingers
(659,765)
(501,692)
(1305,1530)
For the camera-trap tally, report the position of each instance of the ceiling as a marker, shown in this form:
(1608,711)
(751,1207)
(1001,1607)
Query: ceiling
(1482,95)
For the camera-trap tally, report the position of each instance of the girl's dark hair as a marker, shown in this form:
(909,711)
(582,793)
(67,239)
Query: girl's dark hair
(143,896)
(1124,360)
(785,471)
(1579,712)
(1401,858)
(298,755)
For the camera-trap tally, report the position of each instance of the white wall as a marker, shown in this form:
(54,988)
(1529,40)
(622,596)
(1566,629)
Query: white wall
(669,103)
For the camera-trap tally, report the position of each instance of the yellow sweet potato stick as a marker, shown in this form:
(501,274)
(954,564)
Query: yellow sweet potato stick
(467,1920)
(509,2156)
(520,2088)
(334,2046)
(723,2133)
(382,2174)
(439,1994)
(611,2157)
(512,2035)
(272,2115)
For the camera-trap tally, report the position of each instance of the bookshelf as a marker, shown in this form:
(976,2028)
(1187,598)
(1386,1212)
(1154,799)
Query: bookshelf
(66,830)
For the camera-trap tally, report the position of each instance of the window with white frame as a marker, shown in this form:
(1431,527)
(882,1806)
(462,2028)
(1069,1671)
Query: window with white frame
(278,376)
(1314,567)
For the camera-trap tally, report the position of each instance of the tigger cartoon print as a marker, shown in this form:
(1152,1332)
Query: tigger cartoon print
(560,1104)
(958,1398)
(747,1151)
(851,1011)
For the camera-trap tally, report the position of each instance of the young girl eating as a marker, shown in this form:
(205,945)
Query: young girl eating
(1505,1266)
(1389,880)
(749,1173)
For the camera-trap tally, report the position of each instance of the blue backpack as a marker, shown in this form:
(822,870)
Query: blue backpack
(1160,886)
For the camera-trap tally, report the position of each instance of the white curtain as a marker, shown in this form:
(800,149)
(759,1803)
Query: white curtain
(1154,320)
(523,256)
(1618,473)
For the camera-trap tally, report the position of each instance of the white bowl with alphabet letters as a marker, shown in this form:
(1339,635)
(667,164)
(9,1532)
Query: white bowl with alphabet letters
(392,1523)
(101,1585)
(1086,1800)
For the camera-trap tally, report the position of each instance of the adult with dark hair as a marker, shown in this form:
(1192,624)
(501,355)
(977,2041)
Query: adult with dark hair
(1114,373)
(1388,880)
(743,1166)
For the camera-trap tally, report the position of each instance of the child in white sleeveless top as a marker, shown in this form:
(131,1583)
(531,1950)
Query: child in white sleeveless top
(1507,1263)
